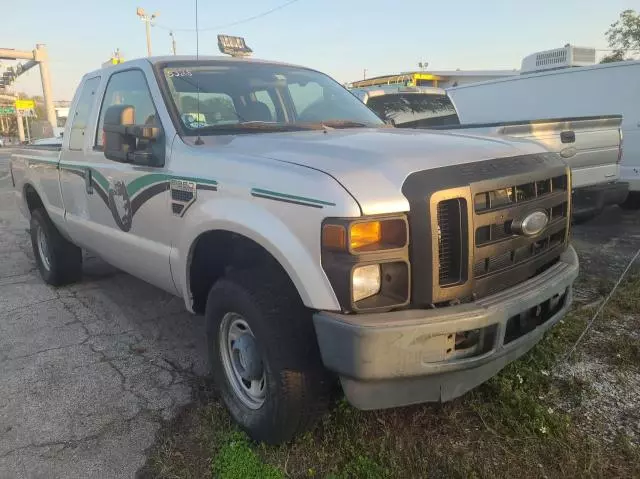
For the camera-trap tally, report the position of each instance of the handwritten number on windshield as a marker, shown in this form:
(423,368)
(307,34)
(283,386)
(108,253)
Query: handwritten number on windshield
(179,73)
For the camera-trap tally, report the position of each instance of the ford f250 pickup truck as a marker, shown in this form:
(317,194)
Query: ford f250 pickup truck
(592,146)
(318,242)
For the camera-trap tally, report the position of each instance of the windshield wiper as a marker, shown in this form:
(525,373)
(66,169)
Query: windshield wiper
(253,126)
(343,124)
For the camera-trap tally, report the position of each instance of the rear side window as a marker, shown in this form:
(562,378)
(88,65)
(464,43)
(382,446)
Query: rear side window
(415,110)
(128,88)
(82,112)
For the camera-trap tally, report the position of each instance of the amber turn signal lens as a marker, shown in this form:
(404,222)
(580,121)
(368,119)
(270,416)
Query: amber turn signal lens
(365,234)
(378,235)
(334,237)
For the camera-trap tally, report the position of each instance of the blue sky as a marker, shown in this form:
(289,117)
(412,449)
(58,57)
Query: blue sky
(341,38)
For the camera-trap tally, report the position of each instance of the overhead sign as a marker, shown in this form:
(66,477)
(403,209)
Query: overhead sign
(25,104)
(234,46)
(7,110)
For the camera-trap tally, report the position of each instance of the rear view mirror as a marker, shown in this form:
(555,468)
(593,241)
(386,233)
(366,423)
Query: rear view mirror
(130,143)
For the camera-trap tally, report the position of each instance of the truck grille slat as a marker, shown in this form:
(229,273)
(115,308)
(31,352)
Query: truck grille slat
(451,257)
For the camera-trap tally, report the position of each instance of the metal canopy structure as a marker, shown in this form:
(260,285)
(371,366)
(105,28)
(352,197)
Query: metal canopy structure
(37,56)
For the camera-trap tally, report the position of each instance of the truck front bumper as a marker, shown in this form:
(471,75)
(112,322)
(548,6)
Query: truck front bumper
(414,356)
(590,200)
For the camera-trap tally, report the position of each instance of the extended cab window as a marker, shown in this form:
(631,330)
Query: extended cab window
(415,110)
(128,88)
(81,114)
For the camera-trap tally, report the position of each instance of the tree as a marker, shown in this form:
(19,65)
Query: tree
(623,36)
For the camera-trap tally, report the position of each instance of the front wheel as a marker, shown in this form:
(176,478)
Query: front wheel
(59,261)
(264,356)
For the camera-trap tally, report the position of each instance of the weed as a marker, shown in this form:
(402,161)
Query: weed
(237,460)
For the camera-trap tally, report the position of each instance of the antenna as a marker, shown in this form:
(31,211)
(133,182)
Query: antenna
(198,140)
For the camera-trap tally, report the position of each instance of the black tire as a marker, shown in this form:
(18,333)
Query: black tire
(632,202)
(297,386)
(64,258)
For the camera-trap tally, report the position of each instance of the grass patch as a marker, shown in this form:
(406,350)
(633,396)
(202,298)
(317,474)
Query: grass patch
(237,460)
(510,426)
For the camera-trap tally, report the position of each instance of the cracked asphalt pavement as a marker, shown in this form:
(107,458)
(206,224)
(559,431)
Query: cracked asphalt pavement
(89,371)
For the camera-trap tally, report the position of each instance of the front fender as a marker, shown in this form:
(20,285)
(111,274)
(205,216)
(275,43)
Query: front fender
(296,248)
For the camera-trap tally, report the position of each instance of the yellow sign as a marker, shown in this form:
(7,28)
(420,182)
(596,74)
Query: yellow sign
(25,104)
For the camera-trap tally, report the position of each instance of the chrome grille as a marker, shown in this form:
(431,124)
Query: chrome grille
(497,247)
(501,258)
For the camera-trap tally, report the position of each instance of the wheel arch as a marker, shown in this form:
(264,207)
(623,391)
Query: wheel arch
(259,231)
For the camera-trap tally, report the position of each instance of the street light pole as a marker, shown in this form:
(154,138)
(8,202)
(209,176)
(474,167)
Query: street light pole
(173,42)
(147,19)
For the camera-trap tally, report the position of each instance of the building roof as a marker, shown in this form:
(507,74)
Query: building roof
(475,73)
(432,75)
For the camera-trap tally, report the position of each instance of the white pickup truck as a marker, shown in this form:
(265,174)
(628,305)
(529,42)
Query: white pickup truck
(317,242)
(591,145)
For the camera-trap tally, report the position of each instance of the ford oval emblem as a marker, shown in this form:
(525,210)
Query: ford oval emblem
(532,224)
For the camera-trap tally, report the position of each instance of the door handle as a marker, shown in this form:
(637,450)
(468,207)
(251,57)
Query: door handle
(568,137)
(88,181)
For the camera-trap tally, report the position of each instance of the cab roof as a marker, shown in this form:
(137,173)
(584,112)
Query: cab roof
(186,58)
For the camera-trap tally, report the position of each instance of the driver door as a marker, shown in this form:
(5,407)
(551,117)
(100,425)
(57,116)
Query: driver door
(129,207)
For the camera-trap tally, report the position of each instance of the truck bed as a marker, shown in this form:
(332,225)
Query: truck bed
(590,145)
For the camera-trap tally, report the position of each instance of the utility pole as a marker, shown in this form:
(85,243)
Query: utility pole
(20,127)
(26,120)
(147,19)
(364,74)
(173,42)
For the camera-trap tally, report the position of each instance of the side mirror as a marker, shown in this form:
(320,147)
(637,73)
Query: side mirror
(130,143)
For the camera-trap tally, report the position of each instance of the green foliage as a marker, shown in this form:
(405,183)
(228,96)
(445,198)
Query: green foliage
(236,460)
(623,36)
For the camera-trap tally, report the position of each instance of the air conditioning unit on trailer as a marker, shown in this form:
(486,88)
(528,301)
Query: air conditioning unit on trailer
(565,57)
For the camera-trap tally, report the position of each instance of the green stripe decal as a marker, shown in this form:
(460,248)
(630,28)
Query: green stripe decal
(144,181)
(100,179)
(31,159)
(202,181)
(275,194)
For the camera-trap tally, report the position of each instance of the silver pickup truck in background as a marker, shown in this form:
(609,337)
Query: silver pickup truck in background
(592,146)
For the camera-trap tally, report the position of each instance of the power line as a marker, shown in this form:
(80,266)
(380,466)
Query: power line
(232,24)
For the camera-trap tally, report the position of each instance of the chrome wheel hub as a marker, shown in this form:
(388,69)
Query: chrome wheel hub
(43,248)
(242,361)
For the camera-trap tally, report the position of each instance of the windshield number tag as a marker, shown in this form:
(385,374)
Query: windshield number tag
(179,73)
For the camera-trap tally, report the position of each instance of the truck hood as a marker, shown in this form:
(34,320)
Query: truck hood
(372,164)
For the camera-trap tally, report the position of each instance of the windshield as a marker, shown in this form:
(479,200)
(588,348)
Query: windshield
(223,97)
(415,110)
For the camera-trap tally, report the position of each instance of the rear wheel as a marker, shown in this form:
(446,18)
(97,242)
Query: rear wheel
(264,355)
(632,202)
(59,261)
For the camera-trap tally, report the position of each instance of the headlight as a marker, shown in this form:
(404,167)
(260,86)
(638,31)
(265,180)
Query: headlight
(367,261)
(365,281)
